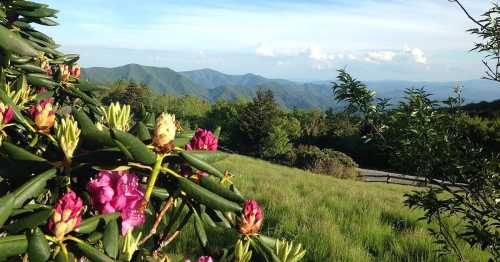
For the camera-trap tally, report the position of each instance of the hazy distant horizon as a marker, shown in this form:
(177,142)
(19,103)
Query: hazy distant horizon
(300,80)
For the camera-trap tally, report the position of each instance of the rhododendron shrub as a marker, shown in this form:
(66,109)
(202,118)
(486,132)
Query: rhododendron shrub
(80,179)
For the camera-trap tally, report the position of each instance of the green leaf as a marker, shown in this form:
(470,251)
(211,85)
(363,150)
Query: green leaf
(13,245)
(106,156)
(214,185)
(207,219)
(218,218)
(12,42)
(40,80)
(200,164)
(83,120)
(70,58)
(19,60)
(111,239)
(136,147)
(94,237)
(33,187)
(217,132)
(98,138)
(30,221)
(45,21)
(6,207)
(87,86)
(89,225)
(92,253)
(17,112)
(27,5)
(268,241)
(160,193)
(20,154)
(264,250)
(79,94)
(41,36)
(206,197)
(124,150)
(38,13)
(142,132)
(38,247)
(209,156)
(62,258)
(30,208)
(39,97)
(200,230)
(31,68)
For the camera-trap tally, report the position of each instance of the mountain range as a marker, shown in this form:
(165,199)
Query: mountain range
(213,86)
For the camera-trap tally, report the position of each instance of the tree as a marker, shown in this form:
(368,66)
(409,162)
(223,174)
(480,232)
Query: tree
(427,139)
(257,120)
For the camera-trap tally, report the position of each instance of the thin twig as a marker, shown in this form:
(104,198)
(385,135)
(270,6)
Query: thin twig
(166,239)
(467,13)
(159,217)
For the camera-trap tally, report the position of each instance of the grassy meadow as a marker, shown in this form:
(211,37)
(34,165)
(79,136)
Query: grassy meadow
(336,220)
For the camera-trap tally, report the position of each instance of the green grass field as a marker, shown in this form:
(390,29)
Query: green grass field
(336,220)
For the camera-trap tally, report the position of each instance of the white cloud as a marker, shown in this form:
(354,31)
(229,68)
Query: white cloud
(264,50)
(318,54)
(417,53)
(380,56)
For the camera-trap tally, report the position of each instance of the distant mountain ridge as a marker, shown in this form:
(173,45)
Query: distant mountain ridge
(213,86)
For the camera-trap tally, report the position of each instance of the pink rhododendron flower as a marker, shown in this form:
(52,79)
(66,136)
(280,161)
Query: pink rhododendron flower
(6,113)
(44,114)
(67,215)
(251,219)
(41,90)
(205,259)
(75,71)
(46,67)
(203,140)
(112,191)
(64,72)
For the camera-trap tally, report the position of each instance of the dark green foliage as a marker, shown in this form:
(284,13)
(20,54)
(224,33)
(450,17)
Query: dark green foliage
(326,161)
(257,120)
(425,138)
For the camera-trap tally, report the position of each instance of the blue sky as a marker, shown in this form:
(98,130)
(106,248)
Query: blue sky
(294,39)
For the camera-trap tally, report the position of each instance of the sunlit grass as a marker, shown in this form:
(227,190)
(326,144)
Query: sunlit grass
(336,220)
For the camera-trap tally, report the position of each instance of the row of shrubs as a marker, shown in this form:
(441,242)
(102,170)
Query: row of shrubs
(323,161)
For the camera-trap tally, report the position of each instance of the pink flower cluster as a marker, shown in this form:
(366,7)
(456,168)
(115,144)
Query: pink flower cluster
(251,219)
(203,140)
(118,192)
(67,215)
(202,259)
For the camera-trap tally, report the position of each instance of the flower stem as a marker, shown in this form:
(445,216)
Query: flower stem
(152,179)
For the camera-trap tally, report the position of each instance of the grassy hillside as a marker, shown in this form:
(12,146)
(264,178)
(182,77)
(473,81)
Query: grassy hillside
(337,220)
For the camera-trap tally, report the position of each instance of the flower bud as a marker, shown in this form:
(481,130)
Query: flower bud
(130,245)
(116,116)
(67,215)
(44,115)
(6,113)
(63,73)
(68,135)
(75,71)
(242,251)
(205,259)
(46,67)
(251,218)
(164,134)
(203,140)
